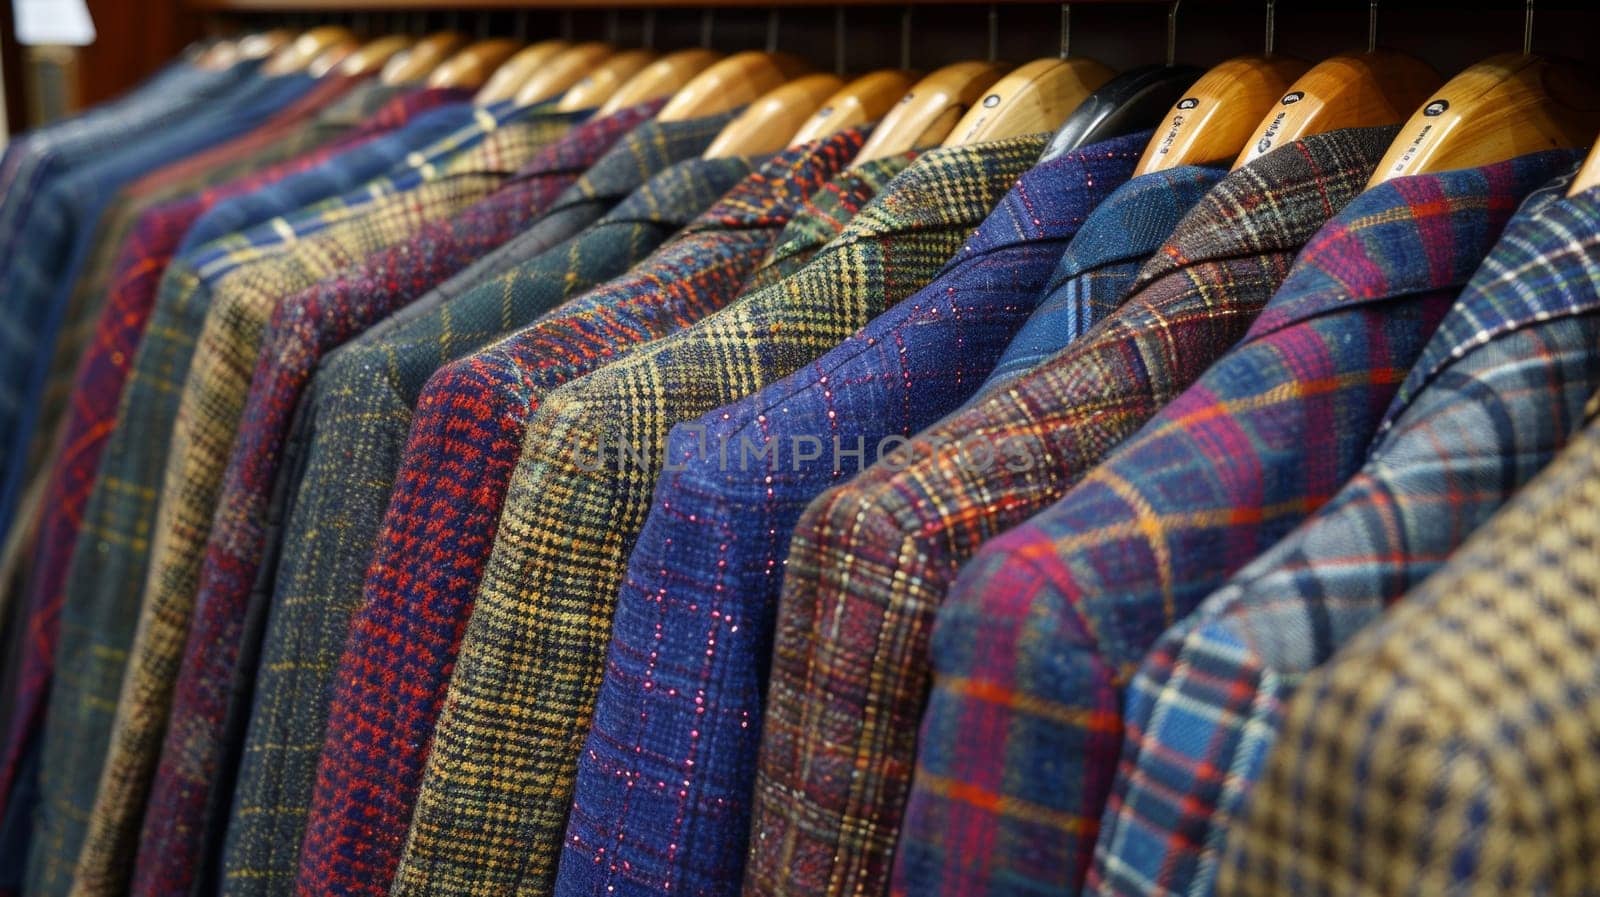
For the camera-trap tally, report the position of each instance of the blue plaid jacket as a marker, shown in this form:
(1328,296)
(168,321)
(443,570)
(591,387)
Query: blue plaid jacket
(1100,263)
(1496,394)
(709,557)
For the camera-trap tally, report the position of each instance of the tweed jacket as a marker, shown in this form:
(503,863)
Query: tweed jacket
(300,330)
(846,693)
(90,409)
(1449,748)
(60,228)
(360,405)
(1101,262)
(1496,394)
(538,628)
(684,677)
(207,421)
(440,522)
(100,600)
(1263,438)
(373,110)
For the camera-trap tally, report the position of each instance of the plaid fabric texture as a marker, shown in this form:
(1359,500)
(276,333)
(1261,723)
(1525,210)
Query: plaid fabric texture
(330,311)
(90,408)
(61,226)
(543,613)
(101,599)
(1046,624)
(1496,394)
(440,524)
(359,412)
(670,756)
(1095,272)
(1449,749)
(869,560)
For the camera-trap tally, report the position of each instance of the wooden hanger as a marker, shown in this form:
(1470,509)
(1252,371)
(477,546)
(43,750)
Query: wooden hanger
(503,84)
(375,54)
(1588,177)
(864,100)
(1132,101)
(766,124)
(930,110)
(304,50)
(264,44)
(220,55)
(1501,108)
(1038,96)
(331,58)
(1218,112)
(604,79)
(1351,90)
(732,82)
(472,65)
(661,78)
(422,58)
(566,69)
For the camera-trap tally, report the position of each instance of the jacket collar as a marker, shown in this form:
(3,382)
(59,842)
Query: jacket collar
(1541,268)
(1404,237)
(773,194)
(1119,230)
(1275,203)
(826,211)
(587,143)
(679,193)
(644,151)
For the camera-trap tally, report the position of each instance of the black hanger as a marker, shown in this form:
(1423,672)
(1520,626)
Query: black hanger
(1136,99)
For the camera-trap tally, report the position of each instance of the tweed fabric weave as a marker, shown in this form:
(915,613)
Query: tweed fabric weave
(441,519)
(870,561)
(1449,748)
(543,612)
(102,599)
(91,405)
(1258,442)
(680,702)
(360,406)
(1101,263)
(1496,395)
(326,313)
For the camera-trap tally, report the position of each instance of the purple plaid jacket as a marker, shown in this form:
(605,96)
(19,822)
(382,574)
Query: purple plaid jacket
(1497,392)
(685,674)
(870,561)
(440,524)
(1047,623)
(303,328)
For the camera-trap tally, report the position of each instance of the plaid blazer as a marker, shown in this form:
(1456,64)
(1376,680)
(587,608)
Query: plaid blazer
(90,411)
(685,671)
(1495,395)
(1101,262)
(208,418)
(1449,749)
(358,412)
(869,561)
(60,229)
(300,330)
(440,523)
(539,625)
(1045,625)
(100,600)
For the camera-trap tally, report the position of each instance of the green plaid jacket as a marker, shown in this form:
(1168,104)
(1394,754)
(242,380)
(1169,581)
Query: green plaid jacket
(530,665)
(103,595)
(355,419)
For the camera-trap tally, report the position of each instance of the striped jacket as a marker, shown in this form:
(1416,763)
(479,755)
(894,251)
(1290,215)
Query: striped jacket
(1449,749)
(870,560)
(1497,392)
(543,614)
(684,676)
(1047,623)
(358,411)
